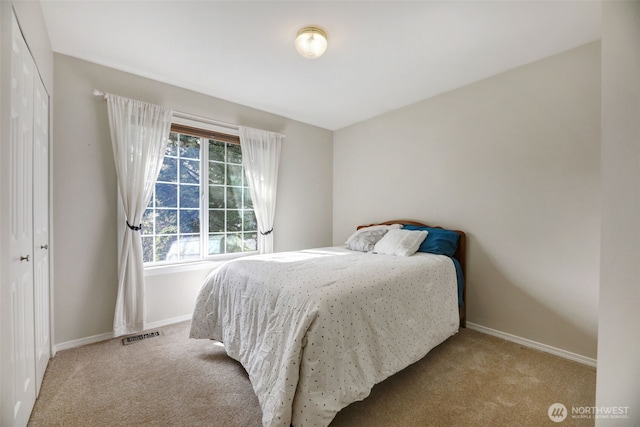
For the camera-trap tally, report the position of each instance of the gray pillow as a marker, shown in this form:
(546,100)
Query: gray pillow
(365,240)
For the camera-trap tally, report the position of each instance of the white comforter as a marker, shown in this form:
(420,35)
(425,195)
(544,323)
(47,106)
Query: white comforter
(317,329)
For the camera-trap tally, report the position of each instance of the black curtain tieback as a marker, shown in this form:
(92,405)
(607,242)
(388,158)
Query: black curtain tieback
(133,227)
(268,232)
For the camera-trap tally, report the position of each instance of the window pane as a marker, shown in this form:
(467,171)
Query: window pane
(147,249)
(234,242)
(234,221)
(189,196)
(216,244)
(216,221)
(163,246)
(216,150)
(169,170)
(234,197)
(172,146)
(166,221)
(250,222)
(216,173)
(216,196)
(234,175)
(248,202)
(190,171)
(189,221)
(166,195)
(188,246)
(147,222)
(189,146)
(250,242)
(234,154)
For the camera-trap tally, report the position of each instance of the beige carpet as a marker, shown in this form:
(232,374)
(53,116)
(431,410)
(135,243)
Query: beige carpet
(472,379)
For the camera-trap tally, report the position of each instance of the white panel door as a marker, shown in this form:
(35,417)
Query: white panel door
(22,342)
(41,229)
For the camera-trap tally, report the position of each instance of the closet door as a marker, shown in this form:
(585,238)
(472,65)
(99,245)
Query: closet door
(41,229)
(22,342)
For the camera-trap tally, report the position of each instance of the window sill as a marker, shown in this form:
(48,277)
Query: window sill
(208,264)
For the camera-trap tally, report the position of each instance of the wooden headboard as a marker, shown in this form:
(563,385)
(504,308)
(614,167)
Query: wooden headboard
(460,255)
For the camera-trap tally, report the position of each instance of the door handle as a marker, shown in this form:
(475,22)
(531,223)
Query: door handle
(44,247)
(24,258)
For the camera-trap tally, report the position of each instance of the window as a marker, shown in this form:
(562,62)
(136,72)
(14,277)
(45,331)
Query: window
(201,205)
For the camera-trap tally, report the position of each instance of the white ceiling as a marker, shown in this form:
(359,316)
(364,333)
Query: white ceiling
(382,55)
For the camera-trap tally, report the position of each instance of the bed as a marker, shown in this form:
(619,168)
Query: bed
(317,329)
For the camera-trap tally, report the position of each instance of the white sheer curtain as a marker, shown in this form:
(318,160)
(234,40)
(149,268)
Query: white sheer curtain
(260,158)
(139,136)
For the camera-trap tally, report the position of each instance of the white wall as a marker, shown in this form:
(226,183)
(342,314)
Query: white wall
(513,160)
(84,195)
(618,382)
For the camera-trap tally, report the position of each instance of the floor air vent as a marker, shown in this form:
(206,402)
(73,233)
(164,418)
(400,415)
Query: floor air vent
(136,338)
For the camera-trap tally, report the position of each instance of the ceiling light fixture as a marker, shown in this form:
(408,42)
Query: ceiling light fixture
(311,42)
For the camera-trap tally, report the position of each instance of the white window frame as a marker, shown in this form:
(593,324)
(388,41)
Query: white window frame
(206,261)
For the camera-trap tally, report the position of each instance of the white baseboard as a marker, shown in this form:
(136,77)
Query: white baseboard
(81,341)
(534,344)
(109,335)
(166,322)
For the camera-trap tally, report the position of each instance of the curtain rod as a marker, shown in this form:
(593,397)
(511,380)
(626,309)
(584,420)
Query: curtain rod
(96,92)
(182,115)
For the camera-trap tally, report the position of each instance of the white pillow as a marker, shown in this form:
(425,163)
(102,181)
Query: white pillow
(400,242)
(368,230)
